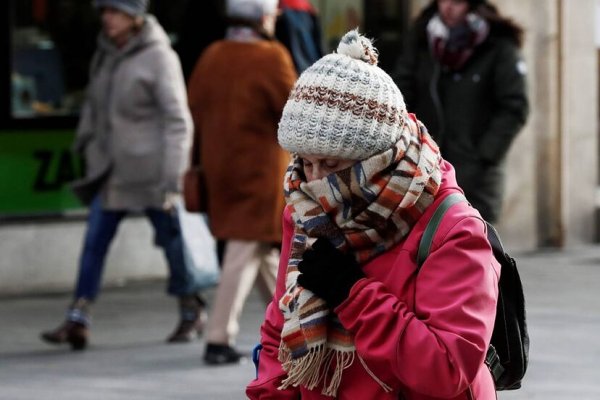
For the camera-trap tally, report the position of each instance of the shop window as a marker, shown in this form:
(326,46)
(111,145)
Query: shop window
(337,18)
(52,42)
(385,21)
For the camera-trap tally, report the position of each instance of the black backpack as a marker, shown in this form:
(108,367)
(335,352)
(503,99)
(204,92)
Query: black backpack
(508,354)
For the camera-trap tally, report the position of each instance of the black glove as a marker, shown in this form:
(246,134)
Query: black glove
(328,273)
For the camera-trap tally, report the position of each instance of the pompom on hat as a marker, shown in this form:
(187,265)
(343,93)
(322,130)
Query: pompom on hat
(132,7)
(251,9)
(343,106)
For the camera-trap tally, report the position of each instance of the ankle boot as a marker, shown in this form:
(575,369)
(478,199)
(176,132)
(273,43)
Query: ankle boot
(220,354)
(192,309)
(75,330)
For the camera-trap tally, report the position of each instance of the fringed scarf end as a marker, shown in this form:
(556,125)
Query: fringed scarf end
(385,387)
(309,370)
(343,359)
(302,371)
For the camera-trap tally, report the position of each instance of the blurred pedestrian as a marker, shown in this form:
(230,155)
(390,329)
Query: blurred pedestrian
(462,74)
(236,93)
(134,134)
(351,318)
(298,28)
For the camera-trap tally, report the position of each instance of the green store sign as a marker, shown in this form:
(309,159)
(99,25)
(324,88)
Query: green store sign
(35,170)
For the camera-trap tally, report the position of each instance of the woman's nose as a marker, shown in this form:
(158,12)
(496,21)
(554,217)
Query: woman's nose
(318,172)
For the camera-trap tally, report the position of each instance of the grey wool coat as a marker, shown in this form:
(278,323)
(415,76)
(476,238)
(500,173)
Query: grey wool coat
(135,128)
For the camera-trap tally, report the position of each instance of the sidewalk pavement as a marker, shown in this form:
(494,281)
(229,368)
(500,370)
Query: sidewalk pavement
(128,358)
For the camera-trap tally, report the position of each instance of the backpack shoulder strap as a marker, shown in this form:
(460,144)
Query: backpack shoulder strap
(495,242)
(432,225)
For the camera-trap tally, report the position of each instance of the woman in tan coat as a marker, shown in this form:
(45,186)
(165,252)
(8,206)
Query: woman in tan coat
(236,93)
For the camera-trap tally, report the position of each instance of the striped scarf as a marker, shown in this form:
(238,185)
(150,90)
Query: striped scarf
(365,209)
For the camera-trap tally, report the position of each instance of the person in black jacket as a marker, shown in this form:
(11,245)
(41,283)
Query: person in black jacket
(461,73)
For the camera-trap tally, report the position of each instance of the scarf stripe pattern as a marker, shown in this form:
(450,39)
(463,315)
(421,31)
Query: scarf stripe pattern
(365,209)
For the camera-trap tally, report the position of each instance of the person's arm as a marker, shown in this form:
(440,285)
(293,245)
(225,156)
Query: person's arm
(282,75)
(269,373)
(511,105)
(170,94)
(85,128)
(438,349)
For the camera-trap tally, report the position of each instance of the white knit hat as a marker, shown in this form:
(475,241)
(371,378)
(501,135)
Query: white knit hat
(343,106)
(251,9)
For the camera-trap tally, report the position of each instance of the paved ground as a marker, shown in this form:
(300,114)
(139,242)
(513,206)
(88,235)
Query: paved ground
(128,359)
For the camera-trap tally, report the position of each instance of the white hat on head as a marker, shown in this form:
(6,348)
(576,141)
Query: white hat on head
(344,105)
(251,9)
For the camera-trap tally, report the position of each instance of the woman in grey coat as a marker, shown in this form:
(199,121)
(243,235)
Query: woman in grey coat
(135,134)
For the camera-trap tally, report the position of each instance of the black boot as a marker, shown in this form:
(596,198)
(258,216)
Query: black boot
(221,354)
(75,330)
(192,309)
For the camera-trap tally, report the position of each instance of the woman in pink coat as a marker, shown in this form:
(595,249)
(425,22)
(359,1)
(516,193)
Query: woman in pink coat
(351,317)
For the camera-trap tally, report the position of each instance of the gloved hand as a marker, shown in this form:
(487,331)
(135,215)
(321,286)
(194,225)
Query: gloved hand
(328,273)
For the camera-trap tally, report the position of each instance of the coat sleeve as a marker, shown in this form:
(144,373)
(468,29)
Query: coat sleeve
(269,372)
(437,348)
(281,80)
(170,94)
(512,107)
(85,128)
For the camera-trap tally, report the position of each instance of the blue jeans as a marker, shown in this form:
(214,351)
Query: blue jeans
(101,229)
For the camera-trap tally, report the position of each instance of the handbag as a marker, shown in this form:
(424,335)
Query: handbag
(199,247)
(194,182)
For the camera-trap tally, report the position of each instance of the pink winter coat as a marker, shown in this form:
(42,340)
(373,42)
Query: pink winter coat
(426,334)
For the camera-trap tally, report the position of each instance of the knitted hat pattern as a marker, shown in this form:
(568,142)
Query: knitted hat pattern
(251,9)
(131,7)
(343,106)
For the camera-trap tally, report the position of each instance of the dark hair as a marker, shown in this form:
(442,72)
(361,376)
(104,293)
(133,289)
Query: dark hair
(500,26)
(475,3)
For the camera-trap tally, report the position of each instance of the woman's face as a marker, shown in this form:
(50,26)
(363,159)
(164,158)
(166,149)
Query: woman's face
(316,167)
(453,12)
(117,25)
